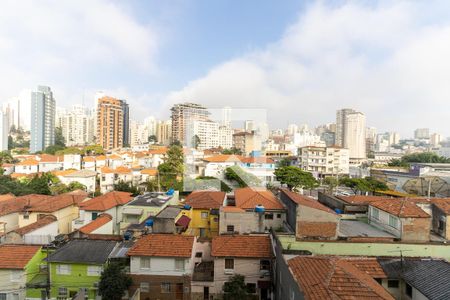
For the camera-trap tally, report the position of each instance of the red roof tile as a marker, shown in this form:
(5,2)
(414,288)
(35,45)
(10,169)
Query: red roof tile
(41,222)
(232,209)
(163,245)
(402,208)
(58,202)
(205,199)
(306,201)
(106,201)
(96,224)
(224,158)
(257,160)
(16,256)
(122,170)
(249,198)
(443,204)
(334,278)
(252,246)
(316,229)
(28,162)
(6,197)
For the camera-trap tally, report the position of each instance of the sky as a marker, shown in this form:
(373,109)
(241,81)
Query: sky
(299,60)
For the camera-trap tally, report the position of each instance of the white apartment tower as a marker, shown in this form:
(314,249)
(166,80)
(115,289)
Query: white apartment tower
(77,125)
(351,132)
(4,130)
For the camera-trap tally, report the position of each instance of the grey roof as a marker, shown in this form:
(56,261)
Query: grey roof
(121,250)
(169,212)
(84,251)
(430,276)
(354,228)
(82,173)
(150,199)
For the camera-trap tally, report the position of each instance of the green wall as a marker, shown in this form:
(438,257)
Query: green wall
(32,270)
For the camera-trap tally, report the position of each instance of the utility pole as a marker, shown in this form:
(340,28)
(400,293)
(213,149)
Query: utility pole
(47,286)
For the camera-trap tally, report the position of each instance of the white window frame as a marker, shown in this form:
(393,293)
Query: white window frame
(145,263)
(375,213)
(179,264)
(393,221)
(62,269)
(204,215)
(94,271)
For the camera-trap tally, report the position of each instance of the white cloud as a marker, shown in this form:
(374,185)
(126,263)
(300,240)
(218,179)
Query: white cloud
(68,44)
(390,60)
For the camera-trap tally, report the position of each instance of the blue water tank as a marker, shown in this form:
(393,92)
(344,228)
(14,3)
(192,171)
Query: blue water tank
(127,236)
(260,209)
(149,223)
(338,211)
(187,207)
(170,192)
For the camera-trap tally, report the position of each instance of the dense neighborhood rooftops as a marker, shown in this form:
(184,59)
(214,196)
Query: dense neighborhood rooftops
(95,224)
(205,199)
(334,278)
(154,199)
(402,208)
(82,173)
(47,158)
(250,246)
(28,162)
(306,201)
(169,212)
(249,198)
(163,245)
(41,222)
(224,158)
(106,201)
(16,256)
(151,172)
(430,276)
(6,197)
(84,251)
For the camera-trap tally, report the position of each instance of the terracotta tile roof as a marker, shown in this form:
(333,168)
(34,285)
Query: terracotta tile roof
(16,256)
(443,204)
(360,199)
(97,223)
(249,198)
(316,229)
(402,208)
(163,245)
(106,170)
(47,158)
(224,158)
(63,172)
(140,154)
(252,246)
(151,172)
(368,265)
(41,222)
(100,157)
(89,159)
(6,197)
(58,202)
(232,209)
(106,201)
(18,204)
(160,151)
(257,160)
(306,201)
(334,278)
(205,199)
(21,175)
(122,170)
(114,157)
(28,162)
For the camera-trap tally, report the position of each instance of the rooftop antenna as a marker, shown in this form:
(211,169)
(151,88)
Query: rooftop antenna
(401,257)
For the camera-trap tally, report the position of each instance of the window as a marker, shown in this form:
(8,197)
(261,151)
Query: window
(205,215)
(251,288)
(268,216)
(179,264)
(378,280)
(2,296)
(198,254)
(145,287)
(165,287)
(230,228)
(15,275)
(278,216)
(393,221)
(264,264)
(26,216)
(63,269)
(94,215)
(94,271)
(62,291)
(145,262)
(229,264)
(393,283)
(441,224)
(375,213)
(408,290)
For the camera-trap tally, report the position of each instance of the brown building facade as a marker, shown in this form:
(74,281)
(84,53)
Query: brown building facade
(110,123)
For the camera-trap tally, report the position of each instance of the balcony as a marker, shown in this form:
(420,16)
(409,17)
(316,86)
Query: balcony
(204,271)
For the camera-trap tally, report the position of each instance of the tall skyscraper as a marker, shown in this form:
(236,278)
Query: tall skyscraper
(422,133)
(126,122)
(110,121)
(183,116)
(4,130)
(42,119)
(351,132)
(77,125)
(164,132)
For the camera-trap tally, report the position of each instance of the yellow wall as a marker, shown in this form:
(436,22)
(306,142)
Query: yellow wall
(65,216)
(210,224)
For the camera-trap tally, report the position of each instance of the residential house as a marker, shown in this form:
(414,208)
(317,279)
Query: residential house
(215,165)
(161,266)
(148,175)
(72,161)
(309,218)
(204,212)
(27,166)
(110,203)
(356,204)
(170,220)
(89,163)
(260,166)
(107,179)
(85,177)
(18,264)
(252,210)
(247,255)
(114,161)
(8,169)
(402,218)
(41,232)
(100,161)
(157,156)
(103,224)
(441,217)
(49,163)
(77,266)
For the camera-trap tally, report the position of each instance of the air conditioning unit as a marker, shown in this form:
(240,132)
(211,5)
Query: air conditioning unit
(229,272)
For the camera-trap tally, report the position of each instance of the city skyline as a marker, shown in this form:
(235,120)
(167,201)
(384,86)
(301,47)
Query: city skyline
(379,70)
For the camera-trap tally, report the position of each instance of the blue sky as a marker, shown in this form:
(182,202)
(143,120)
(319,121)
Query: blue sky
(300,60)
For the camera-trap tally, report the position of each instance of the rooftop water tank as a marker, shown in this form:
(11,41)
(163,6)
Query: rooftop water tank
(338,211)
(170,192)
(187,207)
(149,223)
(259,209)
(127,236)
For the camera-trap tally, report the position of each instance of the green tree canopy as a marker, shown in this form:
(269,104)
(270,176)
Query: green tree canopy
(196,141)
(232,150)
(424,157)
(59,138)
(114,281)
(235,288)
(294,177)
(152,139)
(126,187)
(363,185)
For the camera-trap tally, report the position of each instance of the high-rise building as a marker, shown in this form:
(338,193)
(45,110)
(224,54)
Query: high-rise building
(76,125)
(110,123)
(207,132)
(435,139)
(422,133)
(351,132)
(164,132)
(151,124)
(4,130)
(42,119)
(226,116)
(183,116)
(340,125)
(126,122)
(138,133)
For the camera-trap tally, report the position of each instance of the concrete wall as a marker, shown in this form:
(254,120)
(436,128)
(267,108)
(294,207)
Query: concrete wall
(291,210)
(12,282)
(440,215)
(382,222)
(249,221)
(11,222)
(416,229)
(159,266)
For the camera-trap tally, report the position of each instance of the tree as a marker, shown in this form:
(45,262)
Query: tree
(152,139)
(75,185)
(363,185)
(114,281)
(235,288)
(53,149)
(196,141)
(294,177)
(123,186)
(424,157)
(285,162)
(93,150)
(59,138)
(242,177)
(208,182)
(231,151)
(6,158)
(331,182)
